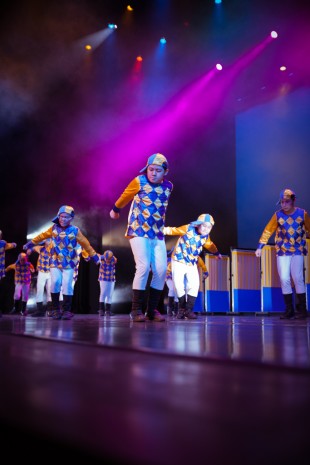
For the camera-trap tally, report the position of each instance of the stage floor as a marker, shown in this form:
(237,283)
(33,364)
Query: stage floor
(256,339)
(219,389)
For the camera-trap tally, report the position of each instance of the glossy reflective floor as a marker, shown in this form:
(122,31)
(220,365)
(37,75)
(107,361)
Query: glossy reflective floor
(217,390)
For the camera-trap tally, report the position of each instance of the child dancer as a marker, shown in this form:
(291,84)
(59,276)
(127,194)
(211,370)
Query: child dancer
(44,277)
(193,238)
(107,282)
(149,194)
(23,270)
(64,257)
(4,246)
(290,224)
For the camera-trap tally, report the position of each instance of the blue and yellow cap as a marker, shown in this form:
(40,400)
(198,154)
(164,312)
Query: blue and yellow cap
(156,159)
(108,254)
(64,209)
(286,194)
(203,218)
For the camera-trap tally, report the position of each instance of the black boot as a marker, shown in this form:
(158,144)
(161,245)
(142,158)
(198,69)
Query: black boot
(136,313)
(182,308)
(108,311)
(56,313)
(101,309)
(49,308)
(301,307)
(66,308)
(152,312)
(40,310)
(175,308)
(16,308)
(289,313)
(24,311)
(189,314)
(170,306)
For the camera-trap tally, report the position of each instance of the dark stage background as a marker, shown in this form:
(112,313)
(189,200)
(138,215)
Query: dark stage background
(77,126)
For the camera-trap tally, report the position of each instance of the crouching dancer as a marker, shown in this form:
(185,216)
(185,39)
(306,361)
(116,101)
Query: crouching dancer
(64,251)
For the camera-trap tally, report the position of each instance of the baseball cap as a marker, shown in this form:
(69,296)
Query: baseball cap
(203,218)
(286,194)
(156,159)
(64,209)
(108,254)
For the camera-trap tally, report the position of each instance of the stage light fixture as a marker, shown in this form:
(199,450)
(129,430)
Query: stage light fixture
(88,47)
(112,26)
(163,40)
(217,2)
(139,58)
(282,68)
(274,34)
(129,8)
(219,67)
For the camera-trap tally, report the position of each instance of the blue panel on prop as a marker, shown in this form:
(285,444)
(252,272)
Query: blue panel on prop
(246,300)
(308,296)
(272,299)
(198,307)
(217,301)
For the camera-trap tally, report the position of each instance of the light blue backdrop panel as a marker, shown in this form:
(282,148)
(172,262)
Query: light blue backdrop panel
(272,152)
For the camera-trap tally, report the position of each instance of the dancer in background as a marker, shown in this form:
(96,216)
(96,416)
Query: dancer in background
(107,282)
(43,278)
(172,306)
(291,225)
(4,246)
(23,270)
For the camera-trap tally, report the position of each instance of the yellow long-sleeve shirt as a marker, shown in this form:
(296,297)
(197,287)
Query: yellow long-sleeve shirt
(291,231)
(190,244)
(64,247)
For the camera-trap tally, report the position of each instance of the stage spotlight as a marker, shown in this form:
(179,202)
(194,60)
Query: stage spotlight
(274,34)
(163,40)
(282,68)
(139,58)
(112,26)
(88,47)
(217,2)
(129,8)
(219,67)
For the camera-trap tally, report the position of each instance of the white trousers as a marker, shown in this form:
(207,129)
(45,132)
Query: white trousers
(43,282)
(291,266)
(185,278)
(171,290)
(106,291)
(61,280)
(149,255)
(22,291)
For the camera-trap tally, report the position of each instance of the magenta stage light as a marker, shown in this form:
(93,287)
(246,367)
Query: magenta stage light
(219,66)
(274,34)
